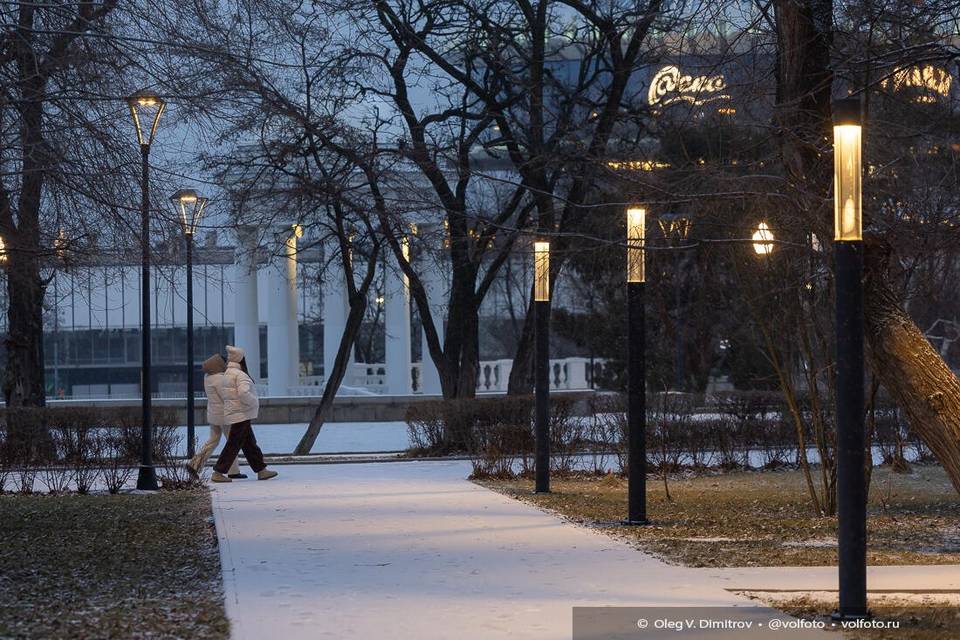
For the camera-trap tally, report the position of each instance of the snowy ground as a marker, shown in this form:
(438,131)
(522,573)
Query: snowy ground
(335,437)
(413,550)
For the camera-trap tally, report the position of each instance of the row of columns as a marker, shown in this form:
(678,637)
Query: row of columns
(282,324)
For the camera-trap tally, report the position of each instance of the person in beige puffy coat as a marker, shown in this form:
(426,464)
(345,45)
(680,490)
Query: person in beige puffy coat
(213,368)
(240,406)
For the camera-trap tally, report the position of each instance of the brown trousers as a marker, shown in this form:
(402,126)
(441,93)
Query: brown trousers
(241,438)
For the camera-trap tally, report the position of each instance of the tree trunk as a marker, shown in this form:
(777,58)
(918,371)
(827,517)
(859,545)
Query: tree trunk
(352,329)
(23,383)
(521,373)
(908,365)
(461,348)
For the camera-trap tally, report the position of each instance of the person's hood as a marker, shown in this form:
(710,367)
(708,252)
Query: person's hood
(234,354)
(214,364)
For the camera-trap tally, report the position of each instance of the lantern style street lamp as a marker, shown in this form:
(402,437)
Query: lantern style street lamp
(763,240)
(189,206)
(541,370)
(848,272)
(146,109)
(636,369)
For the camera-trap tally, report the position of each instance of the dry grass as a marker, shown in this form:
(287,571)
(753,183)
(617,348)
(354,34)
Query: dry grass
(99,566)
(916,621)
(763,518)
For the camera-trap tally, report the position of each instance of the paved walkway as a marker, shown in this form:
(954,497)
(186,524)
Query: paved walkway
(412,550)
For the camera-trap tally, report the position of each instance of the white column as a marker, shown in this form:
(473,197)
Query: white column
(397,329)
(246,327)
(283,339)
(434,282)
(335,306)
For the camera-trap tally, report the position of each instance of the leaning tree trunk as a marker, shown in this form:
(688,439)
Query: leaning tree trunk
(334,378)
(909,367)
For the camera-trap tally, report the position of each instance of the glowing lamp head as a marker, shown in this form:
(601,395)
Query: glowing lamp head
(636,234)
(541,271)
(847,171)
(146,109)
(189,206)
(3,252)
(763,240)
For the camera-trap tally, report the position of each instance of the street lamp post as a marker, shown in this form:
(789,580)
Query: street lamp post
(189,208)
(541,310)
(146,109)
(848,272)
(636,370)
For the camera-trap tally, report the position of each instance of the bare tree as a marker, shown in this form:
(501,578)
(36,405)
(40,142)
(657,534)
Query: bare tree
(60,161)
(876,44)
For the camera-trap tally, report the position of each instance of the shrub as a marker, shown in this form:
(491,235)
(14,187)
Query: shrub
(78,445)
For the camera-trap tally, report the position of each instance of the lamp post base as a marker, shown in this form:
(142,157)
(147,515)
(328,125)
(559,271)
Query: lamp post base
(837,616)
(147,478)
(635,523)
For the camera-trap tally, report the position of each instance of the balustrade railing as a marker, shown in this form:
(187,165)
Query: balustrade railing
(364,379)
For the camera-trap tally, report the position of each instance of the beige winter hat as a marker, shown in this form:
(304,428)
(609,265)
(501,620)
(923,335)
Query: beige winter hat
(234,354)
(214,364)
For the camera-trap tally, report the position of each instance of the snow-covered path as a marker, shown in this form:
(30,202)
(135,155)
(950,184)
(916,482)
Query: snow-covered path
(413,550)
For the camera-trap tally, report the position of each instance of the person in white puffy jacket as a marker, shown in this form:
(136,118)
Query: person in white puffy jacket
(213,368)
(240,406)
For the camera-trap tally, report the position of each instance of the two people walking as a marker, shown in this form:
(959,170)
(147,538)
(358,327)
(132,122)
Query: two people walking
(232,404)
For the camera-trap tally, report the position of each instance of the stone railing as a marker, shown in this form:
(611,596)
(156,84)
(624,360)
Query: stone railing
(566,374)
(363,379)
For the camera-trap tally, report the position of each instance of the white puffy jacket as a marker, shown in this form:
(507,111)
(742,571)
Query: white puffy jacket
(211,385)
(239,395)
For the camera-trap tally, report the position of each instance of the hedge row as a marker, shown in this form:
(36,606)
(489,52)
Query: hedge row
(738,430)
(81,448)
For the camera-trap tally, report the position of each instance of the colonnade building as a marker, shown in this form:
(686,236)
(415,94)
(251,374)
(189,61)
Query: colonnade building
(283,306)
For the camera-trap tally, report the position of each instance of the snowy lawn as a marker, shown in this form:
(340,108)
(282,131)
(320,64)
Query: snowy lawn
(102,566)
(764,518)
(335,437)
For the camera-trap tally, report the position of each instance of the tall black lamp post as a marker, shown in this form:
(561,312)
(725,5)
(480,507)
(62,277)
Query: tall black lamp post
(189,206)
(636,370)
(146,109)
(848,272)
(541,366)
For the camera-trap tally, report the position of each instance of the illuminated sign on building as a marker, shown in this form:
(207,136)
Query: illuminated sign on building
(928,82)
(670,86)
(637,165)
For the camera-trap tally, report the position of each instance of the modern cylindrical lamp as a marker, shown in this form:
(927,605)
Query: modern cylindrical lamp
(636,369)
(541,310)
(851,441)
(847,172)
(636,230)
